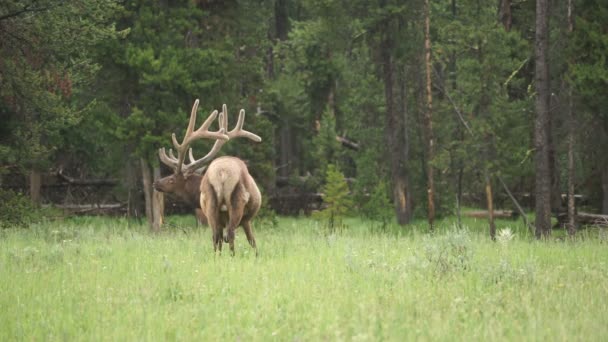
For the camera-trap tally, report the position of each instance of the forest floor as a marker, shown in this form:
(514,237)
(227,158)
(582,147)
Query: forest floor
(107,279)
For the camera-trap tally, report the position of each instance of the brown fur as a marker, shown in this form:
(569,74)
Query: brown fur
(229,198)
(186,187)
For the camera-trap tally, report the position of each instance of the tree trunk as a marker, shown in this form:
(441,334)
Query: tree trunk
(490,205)
(605,189)
(281,19)
(505,14)
(35,185)
(429,115)
(285,149)
(146,174)
(405,146)
(158,205)
(555,169)
(281,29)
(394,133)
(134,205)
(571,198)
(541,122)
(571,131)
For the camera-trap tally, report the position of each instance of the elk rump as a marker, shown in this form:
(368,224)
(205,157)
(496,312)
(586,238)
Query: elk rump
(229,198)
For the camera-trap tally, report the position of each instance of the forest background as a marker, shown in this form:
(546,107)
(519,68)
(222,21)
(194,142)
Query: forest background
(421,107)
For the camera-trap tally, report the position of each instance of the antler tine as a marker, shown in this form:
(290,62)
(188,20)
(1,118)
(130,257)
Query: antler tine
(190,156)
(190,136)
(236,132)
(190,128)
(171,154)
(170,161)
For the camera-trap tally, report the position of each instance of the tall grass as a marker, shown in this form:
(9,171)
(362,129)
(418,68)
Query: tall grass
(103,279)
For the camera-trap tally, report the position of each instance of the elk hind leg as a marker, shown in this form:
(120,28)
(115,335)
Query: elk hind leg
(209,206)
(238,201)
(249,233)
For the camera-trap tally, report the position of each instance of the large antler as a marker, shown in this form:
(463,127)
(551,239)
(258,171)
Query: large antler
(236,132)
(203,132)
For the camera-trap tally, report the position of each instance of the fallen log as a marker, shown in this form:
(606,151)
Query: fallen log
(76,181)
(482,214)
(89,208)
(353,145)
(583,219)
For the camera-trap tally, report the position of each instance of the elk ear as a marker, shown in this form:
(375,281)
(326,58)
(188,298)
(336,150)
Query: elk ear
(201,171)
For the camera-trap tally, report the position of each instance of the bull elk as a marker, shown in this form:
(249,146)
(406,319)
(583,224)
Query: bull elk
(227,194)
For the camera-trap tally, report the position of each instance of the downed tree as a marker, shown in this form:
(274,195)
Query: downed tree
(76,181)
(346,142)
(503,214)
(90,209)
(583,219)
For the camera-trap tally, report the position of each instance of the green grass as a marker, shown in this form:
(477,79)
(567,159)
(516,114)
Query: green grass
(103,279)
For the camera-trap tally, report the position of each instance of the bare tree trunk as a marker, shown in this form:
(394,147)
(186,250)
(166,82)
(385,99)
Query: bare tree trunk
(405,147)
(605,189)
(457,166)
(541,122)
(147,184)
(554,167)
(429,114)
(394,133)
(490,204)
(505,14)
(571,198)
(158,205)
(487,149)
(571,130)
(281,29)
(35,185)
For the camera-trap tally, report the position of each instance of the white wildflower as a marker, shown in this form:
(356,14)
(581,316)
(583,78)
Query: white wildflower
(504,236)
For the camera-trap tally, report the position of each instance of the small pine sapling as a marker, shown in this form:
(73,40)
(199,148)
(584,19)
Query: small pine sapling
(379,207)
(337,199)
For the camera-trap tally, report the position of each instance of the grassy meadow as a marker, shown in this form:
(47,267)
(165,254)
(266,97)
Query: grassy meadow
(108,279)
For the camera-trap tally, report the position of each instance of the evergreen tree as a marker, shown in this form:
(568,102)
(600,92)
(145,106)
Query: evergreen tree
(46,65)
(336,198)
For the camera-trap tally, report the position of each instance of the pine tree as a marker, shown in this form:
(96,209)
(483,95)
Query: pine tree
(337,199)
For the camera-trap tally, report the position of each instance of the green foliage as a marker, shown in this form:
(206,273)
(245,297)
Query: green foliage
(327,147)
(336,198)
(46,62)
(16,210)
(100,91)
(482,65)
(379,207)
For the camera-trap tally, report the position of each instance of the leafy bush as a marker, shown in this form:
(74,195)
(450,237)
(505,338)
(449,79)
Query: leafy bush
(16,210)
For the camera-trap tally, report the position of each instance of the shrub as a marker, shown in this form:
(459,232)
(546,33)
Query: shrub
(16,210)
(379,207)
(449,253)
